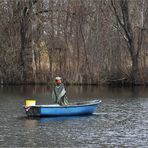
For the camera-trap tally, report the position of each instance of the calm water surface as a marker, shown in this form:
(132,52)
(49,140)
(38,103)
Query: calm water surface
(121,121)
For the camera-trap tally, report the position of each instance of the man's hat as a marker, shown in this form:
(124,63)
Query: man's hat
(58,78)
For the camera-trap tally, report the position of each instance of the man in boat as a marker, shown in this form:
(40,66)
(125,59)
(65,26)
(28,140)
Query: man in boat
(59,92)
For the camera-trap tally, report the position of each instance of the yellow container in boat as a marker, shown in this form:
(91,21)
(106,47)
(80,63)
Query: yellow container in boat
(30,102)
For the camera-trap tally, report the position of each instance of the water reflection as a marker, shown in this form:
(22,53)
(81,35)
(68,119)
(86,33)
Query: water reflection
(77,91)
(31,122)
(48,119)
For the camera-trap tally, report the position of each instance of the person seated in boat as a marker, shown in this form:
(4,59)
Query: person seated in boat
(59,92)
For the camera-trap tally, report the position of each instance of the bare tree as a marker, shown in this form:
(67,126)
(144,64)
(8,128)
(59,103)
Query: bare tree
(123,16)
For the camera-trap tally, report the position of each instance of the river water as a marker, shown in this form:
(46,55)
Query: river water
(120,121)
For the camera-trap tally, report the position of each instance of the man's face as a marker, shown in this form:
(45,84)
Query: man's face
(58,82)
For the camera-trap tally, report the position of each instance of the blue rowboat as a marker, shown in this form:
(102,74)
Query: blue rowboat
(82,108)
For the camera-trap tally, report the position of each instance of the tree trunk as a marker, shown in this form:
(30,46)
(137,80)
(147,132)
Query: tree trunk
(135,73)
(26,53)
(26,57)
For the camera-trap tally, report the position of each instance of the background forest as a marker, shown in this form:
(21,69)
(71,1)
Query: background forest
(83,41)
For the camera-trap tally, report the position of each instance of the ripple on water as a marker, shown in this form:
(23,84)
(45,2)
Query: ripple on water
(119,122)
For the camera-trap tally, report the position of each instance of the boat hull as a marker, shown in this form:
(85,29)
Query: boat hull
(56,110)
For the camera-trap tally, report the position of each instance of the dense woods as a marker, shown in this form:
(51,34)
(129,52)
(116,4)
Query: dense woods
(83,41)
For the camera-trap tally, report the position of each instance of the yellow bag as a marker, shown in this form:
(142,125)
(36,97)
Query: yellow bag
(30,102)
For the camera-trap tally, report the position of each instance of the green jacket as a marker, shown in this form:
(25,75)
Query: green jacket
(59,95)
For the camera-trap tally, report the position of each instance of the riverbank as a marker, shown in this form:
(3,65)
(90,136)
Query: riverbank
(113,82)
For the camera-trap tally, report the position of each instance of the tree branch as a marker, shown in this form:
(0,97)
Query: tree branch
(116,14)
